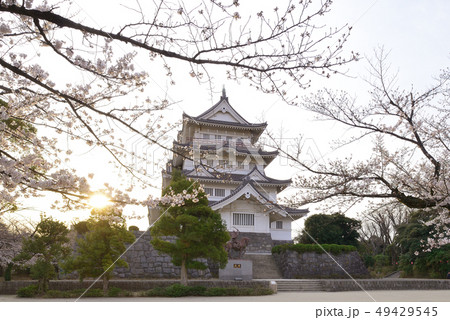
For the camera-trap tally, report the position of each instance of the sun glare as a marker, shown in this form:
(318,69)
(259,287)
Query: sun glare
(99,201)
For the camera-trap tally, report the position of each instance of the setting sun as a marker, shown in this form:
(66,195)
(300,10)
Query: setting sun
(99,201)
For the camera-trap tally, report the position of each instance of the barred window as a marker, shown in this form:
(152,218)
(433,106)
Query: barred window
(209,191)
(279,225)
(210,163)
(243,219)
(206,136)
(224,164)
(219,192)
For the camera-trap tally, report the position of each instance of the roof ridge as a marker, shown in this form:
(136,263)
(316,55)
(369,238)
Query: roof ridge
(248,124)
(222,98)
(212,108)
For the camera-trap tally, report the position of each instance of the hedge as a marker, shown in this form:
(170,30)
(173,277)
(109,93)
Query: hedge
(175,290)
(302,248)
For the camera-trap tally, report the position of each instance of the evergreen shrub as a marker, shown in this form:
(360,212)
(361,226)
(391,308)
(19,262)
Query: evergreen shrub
(27,292)
(302,248)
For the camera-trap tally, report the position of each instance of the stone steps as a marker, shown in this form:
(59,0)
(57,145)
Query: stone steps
(264,266)
(299,285)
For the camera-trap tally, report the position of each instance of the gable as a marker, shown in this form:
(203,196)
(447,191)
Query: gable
(223,111)
(226,116)
(248,191)
(200,171)
(256,175)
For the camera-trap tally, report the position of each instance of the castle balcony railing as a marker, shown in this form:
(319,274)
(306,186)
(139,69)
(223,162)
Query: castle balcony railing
(222,142)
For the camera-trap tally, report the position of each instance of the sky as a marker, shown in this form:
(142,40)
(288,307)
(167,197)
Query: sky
(414,32)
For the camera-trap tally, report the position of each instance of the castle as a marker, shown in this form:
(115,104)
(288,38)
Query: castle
(219,148)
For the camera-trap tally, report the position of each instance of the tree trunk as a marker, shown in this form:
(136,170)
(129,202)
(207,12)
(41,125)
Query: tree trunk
(8,271)
(105,284)
(45,284)
(184,280)
(40,289)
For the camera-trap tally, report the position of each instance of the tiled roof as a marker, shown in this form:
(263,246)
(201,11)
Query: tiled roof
(240,149)
(260,126)
(269,202)
(223,97)
(233,177)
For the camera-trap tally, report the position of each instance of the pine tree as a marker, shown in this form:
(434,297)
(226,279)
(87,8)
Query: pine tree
(47,246)
(101,245)
(199,230)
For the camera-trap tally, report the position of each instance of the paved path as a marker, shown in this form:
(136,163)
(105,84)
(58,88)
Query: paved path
(347,296)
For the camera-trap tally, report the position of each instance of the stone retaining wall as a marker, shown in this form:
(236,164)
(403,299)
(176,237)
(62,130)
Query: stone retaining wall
(385,284)
(11,287)
(294,265)
(280,242)
(144,261)
(259,242)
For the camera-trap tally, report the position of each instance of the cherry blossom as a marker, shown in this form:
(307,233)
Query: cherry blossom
(91,106)
(10,243)
(409,135)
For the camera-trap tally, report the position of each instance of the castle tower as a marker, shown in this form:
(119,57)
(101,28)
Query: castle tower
(219,148)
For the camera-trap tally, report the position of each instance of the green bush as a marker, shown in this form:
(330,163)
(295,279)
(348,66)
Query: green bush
(90,293)
(32,291)
(381,260)
(53,294)
(302,248)
(434,264)
(155,292)
(369,260)
(177,290)
(28,292)
(263,292)
(94,293)
(115,292)
(133,228)
(215,292)
(60,294)
(405,265)
(237,292)
(197,291)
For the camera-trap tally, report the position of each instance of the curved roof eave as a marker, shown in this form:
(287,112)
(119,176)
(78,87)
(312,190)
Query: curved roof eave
(249,190)
(240,178)
(219,123)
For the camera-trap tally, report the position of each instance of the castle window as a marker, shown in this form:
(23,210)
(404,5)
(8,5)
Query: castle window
(278,224)
(219,192)
(210,163)
(218,137)
(240,165)
(209,191)
(243,219)
(206,136)
(223,163)
(229,138)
